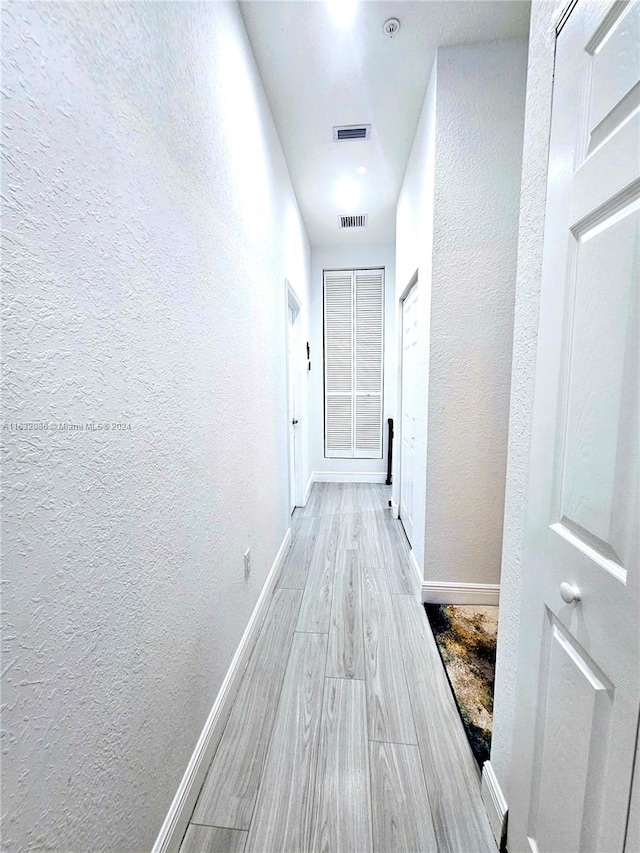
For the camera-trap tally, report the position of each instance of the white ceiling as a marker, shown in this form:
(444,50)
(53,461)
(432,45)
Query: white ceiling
(317,75)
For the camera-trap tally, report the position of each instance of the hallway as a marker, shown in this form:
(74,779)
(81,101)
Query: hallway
(266,255)
(344,735)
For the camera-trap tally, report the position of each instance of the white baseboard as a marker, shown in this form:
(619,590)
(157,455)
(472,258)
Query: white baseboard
(416,570)
(436,592)
(349,477)
(494,803)
(175,824)
(395,509)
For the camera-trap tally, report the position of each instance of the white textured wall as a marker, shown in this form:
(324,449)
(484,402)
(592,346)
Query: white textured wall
(457,220)
(479,124)
(348,257)
(530,241)
(414,245)
(150,225)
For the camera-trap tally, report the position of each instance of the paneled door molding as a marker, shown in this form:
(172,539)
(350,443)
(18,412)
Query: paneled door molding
(578,672)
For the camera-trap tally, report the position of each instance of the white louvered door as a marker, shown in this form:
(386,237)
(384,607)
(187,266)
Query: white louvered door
(353,350)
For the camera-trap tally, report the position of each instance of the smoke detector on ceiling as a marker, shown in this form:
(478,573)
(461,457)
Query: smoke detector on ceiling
(391,27)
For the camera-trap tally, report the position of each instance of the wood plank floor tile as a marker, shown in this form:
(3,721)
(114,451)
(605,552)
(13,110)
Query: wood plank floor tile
(389,714)
(371,548)
(345,658)
(403,580)
(369,496)
(295,570)
(451,774)
(293,747)
(400,808)
(282,817)
(315,610)
(323,500)
(229,793)
(382,547)
(349,517)
(297,517)
(348,498)
(342,814)
(213,839)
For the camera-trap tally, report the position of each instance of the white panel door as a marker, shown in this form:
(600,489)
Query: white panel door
(293,419)
(579,665)
(409,424)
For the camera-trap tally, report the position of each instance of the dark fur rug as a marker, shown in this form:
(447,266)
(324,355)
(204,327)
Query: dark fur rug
(466,639)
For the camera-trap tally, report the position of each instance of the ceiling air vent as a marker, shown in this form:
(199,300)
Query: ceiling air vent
(351,131)
(357,221)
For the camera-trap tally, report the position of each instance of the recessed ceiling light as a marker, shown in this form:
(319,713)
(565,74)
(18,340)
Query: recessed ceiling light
(361,170)
(342,12)
(347,194)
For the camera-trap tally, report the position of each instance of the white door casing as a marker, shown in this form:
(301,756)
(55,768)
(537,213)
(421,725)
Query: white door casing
(408,418)
(578,687)
(294,398)
(291,409)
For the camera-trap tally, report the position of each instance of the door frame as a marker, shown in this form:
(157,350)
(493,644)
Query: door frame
(544,26)
(293,303)
(397,429)
(413,282)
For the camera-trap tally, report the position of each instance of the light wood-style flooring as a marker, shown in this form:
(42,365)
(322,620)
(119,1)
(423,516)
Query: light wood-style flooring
(344,736)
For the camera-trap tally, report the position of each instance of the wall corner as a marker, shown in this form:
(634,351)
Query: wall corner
(495,805)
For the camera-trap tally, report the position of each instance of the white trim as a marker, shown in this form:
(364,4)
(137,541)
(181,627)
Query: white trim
(416,568)
(436,592)
(413,280)
(307,490)
(292,297)
(495,804)
(175,824)
(416,575)
(395,510)
(299,372)
(349,477)
(397,425)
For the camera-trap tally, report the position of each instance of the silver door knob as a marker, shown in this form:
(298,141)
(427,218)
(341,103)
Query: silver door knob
(569,592)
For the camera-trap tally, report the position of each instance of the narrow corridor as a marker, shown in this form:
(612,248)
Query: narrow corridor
(344,735)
